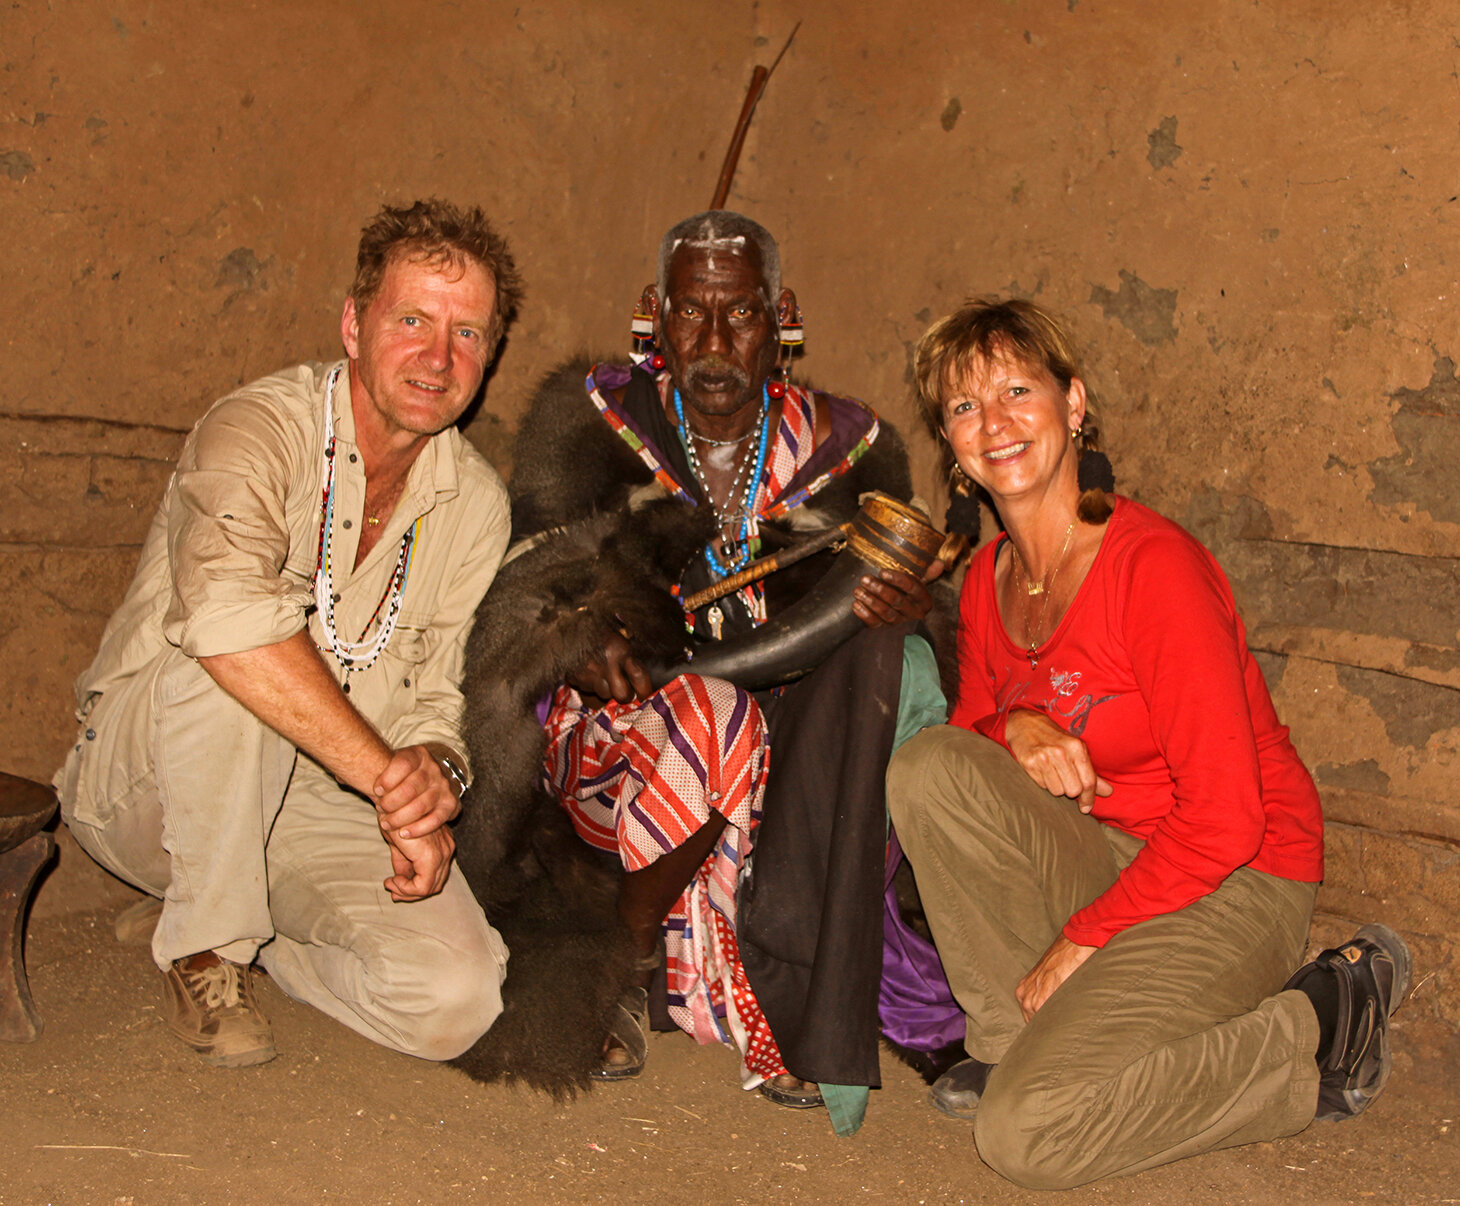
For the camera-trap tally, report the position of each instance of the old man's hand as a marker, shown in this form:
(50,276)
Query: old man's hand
(612,673)
(893,597)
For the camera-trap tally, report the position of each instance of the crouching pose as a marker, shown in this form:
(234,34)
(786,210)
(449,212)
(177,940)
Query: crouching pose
(636,487)
(1116,844)
(270,734)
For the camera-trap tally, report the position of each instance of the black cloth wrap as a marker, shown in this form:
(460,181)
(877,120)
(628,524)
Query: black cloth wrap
(810,911)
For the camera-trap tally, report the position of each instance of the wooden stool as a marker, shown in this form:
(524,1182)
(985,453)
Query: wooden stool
(24,850)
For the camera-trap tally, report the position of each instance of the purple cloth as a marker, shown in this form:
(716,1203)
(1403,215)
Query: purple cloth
(915,1005)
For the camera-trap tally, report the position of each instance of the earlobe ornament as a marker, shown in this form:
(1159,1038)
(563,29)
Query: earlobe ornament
(642,329)
(791,332)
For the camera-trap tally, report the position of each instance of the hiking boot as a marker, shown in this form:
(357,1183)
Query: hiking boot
(957,1091)
(212,1008)
(1370,977)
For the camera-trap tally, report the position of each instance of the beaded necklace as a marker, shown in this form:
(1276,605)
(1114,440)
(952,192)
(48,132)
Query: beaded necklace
(748,519)
(741,542)
(360,654)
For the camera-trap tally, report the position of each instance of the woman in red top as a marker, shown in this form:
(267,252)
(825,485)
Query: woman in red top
(1116,843)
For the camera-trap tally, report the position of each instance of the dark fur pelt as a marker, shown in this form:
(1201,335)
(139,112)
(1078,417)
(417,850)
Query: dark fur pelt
(609,545)
(551,895)
(567,462)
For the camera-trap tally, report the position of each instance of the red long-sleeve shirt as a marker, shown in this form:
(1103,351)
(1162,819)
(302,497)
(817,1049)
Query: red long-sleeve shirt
(1150,668)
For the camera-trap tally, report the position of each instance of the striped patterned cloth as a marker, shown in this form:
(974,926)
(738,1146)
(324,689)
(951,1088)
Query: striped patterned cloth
(637,780)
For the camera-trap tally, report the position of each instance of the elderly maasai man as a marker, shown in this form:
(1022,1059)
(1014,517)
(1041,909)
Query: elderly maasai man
(701,457)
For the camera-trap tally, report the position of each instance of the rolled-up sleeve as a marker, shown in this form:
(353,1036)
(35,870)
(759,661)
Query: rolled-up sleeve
(228,537)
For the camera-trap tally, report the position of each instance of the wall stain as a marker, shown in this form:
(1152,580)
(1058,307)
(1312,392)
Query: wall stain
(1356,776)
(238,270)
(1412,712)
(1427,429)
(16,164)
(1163,150)
(1148,314)
(1444,661)
(951,112)
(1363,591)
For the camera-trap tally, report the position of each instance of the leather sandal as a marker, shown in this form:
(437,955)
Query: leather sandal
(628,1034)
(791,1092)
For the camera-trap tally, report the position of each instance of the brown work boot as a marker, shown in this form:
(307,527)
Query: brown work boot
(212,1008)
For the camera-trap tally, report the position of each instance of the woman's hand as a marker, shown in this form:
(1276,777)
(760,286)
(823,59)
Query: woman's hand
(1058,762)
(1055,966)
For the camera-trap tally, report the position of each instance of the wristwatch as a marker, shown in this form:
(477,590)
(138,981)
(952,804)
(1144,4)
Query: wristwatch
(453,772)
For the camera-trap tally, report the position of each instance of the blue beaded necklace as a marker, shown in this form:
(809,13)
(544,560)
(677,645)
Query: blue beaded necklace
(752,488)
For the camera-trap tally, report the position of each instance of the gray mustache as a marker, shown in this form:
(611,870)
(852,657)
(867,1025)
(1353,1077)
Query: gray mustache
(715,366)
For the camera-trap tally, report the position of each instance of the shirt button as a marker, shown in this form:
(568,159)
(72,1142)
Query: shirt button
(335,598)
(405,682)
(349,523)
(90,734)
(353,458)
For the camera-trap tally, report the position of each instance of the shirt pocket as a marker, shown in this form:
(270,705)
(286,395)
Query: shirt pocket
(403,661)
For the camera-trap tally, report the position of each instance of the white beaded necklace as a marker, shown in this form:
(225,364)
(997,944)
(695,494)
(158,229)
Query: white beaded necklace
(359,655)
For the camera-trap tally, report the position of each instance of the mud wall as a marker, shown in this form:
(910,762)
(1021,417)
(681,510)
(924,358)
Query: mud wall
(1247,210)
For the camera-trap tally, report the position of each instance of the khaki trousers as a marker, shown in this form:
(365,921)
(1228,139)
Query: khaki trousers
(1166,1042)
(256,850)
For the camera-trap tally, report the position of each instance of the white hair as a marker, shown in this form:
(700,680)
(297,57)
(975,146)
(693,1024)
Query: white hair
(722,229)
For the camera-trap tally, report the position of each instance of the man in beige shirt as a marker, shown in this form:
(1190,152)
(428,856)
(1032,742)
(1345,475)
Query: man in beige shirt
(270,734)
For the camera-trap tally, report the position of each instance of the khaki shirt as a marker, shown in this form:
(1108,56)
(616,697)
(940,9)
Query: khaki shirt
(229,561)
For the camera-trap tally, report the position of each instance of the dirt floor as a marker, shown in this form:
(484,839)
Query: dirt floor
(106,1108)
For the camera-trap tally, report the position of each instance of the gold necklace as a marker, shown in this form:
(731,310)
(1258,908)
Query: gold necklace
(1043,588)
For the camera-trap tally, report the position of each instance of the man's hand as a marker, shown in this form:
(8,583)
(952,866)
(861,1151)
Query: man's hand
(1055,966)
(893,597)
(421,865)
(413,794)
(611,673)
(1056,760)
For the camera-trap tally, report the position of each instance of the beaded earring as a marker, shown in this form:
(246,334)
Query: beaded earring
(642,329)
(792,335)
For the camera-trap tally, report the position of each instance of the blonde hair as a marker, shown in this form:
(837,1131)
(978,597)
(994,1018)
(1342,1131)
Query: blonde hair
(986,329)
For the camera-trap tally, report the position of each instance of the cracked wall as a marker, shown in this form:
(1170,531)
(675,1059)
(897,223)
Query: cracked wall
(1247,211)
